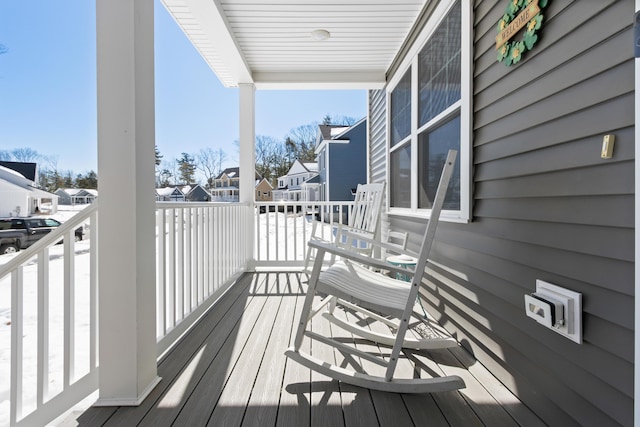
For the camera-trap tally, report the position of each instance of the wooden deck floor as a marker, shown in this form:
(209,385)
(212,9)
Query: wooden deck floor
(230,370)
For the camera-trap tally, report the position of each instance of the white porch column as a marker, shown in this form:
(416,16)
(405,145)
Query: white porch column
(126,158)
(248,155)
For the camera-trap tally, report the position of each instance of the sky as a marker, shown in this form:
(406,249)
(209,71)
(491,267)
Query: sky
(48,90)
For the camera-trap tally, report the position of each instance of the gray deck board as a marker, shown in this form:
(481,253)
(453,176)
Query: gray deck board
(230,370)
(262,409)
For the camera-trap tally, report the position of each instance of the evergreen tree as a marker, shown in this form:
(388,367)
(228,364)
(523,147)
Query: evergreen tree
(89,180)
(158,156)
(187,168)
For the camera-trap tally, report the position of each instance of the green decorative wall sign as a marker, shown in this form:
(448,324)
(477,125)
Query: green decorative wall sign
(519,14)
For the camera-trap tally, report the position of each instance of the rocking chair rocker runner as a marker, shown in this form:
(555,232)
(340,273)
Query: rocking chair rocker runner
(355,283)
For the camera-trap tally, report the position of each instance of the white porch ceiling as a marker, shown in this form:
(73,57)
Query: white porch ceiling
(268,42)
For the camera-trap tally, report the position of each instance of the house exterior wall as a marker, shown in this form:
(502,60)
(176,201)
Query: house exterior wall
(198,194)
(545,206)
(347,163)
(63,197)
(264,192)
(14,201)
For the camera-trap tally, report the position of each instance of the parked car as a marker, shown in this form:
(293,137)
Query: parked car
(20,233)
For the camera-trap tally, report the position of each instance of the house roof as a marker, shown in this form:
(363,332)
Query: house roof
(230,173)
(331,131)
(270,44)
(311,166)
(235,173)
(168,191)
(26,169)
(313,180)
(17,186)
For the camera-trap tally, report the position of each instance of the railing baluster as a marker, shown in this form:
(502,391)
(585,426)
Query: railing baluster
(267,238)
(69,310)
(161,290)
(179,299)
(17,308)
(170,308)
(187,263)
(206,254)
(93,292)
(43,327)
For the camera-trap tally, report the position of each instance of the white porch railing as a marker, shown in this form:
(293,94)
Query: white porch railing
(201,248)
(284,228)
(53,339)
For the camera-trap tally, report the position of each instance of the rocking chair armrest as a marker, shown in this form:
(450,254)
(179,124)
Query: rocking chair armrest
(325,247)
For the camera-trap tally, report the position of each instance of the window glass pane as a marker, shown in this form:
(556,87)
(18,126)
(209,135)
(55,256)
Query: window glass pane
(401,109)
(433,146)
(439,68)
(400,188)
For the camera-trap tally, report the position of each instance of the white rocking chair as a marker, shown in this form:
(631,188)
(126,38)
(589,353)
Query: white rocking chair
(362,225)
(353,282)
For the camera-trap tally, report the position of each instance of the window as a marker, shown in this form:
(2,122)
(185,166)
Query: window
(401,109)
(429,113)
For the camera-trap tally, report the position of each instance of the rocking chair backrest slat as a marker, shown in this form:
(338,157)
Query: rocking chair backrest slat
(368,204)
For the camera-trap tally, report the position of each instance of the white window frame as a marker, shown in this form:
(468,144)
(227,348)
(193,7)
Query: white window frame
(464,105)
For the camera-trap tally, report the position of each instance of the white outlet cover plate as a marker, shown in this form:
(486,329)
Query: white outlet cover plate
(573,317)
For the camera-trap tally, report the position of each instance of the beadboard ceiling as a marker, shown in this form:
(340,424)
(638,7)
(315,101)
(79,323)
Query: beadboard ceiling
(268,42)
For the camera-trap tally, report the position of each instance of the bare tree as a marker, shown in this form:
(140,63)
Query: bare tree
(169,173)
(344,121)
(271,158)
(209,162)
(25,155)
(305,140)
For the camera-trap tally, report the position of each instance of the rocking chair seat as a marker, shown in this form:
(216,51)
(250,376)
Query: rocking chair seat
(359,285)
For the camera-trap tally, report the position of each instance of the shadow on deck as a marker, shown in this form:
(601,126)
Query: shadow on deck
(231,370)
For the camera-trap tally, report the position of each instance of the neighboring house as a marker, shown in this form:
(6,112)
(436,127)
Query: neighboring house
(18,195)
(226,187)
(169,194)
(264,191)
(342,160)
(195,193)
(76,196)
(290,185)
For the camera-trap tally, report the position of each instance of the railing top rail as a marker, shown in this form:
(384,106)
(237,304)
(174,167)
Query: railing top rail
(173,205)
(48,240)
(306,203)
